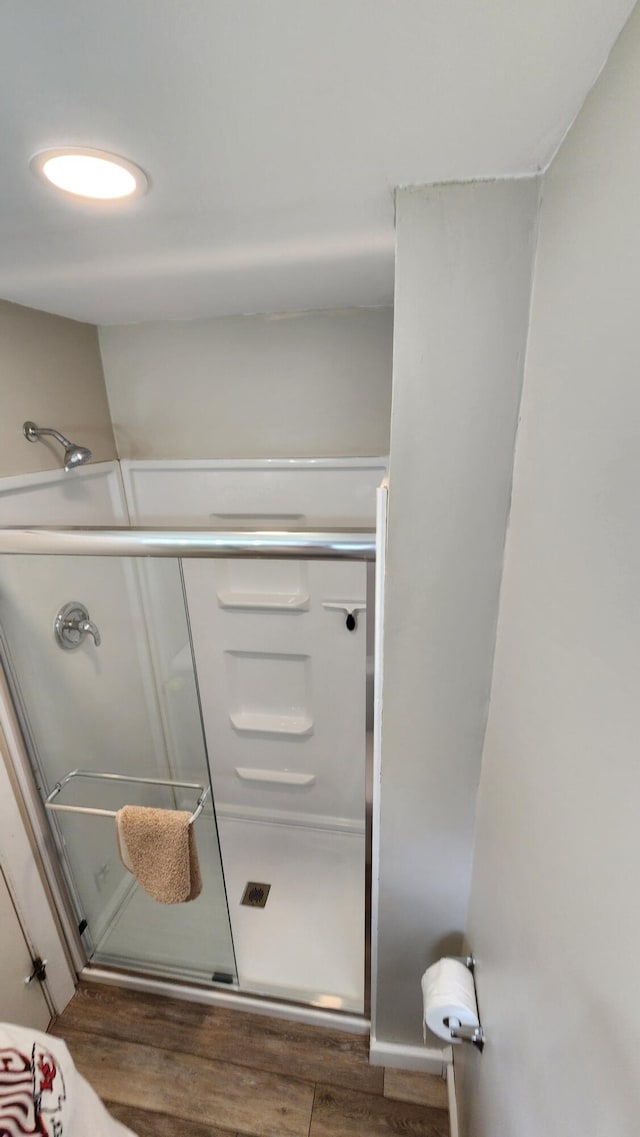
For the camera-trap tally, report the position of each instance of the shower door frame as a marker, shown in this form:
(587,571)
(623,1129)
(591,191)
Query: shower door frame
(151,542)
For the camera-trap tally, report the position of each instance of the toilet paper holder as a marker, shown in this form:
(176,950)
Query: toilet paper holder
(472,1034)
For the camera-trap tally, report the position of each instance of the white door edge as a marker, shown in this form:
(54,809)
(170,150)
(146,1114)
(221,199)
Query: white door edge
(20,834)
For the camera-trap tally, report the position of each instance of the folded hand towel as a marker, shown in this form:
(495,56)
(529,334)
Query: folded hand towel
(158,846)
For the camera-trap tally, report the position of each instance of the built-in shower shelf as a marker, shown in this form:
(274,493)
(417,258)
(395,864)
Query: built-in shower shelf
(251,722)
(275,777)
(264,601)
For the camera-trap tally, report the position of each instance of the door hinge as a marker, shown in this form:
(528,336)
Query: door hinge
(39,971)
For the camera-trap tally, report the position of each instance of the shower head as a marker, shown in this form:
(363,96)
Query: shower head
(74,455)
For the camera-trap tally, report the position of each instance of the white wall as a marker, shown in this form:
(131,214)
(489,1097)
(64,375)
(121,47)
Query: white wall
(310,384)
(463,271)
(554,915)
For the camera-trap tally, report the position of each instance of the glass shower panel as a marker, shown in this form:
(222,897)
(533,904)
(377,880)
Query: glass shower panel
(122,701)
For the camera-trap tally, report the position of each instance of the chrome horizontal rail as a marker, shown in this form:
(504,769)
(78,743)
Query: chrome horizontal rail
(307,544)
(94,811)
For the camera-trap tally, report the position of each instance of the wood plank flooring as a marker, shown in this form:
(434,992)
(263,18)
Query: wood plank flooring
(160,1062)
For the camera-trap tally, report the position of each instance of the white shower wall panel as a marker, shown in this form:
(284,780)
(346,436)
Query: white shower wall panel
(269,493)
(282,681)
(91,495)
(289,493)
(283,692)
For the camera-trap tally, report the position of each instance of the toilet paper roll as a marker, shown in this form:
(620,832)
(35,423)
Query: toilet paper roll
(448,993)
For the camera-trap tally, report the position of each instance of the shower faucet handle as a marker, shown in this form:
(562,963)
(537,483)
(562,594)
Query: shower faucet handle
(86,627)
(72,625)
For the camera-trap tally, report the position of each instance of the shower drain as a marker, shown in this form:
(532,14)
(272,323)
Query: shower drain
(255,894)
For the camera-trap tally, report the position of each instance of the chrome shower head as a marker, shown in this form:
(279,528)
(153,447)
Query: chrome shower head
(74,455)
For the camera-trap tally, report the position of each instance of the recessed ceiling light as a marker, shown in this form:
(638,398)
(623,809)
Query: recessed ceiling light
(90,173)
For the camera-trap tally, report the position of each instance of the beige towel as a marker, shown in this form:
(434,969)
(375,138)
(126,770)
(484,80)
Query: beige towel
(158,846)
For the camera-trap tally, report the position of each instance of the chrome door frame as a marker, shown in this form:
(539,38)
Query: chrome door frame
(330,544)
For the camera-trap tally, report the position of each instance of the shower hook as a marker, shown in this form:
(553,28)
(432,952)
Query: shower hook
(350,609)
(72,625)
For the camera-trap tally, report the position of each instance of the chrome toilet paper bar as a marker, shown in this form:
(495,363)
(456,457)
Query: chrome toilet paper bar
(472,1034)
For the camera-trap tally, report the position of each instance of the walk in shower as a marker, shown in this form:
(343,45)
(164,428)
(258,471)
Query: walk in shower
(218,673)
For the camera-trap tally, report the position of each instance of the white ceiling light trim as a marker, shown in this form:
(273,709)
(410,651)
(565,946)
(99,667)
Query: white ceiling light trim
(94,175)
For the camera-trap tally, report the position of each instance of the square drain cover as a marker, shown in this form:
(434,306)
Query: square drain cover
(255,894)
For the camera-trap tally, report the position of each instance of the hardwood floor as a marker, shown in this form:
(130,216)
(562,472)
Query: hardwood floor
(159,1063)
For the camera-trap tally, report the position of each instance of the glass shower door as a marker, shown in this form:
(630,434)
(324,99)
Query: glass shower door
(112,690)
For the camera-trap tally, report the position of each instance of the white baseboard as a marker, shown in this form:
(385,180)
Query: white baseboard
(454,1130)
(429,1059)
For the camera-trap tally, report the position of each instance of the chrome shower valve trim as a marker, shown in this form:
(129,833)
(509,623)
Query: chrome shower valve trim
(72,626)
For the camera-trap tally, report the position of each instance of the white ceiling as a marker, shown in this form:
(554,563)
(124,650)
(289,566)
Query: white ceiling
(273,132)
